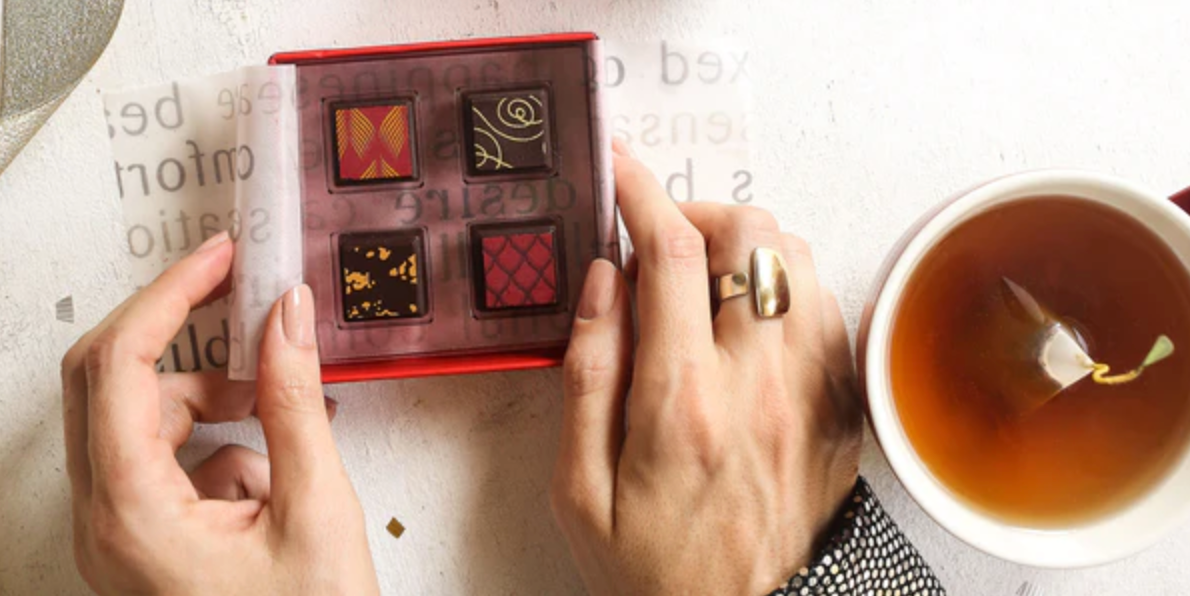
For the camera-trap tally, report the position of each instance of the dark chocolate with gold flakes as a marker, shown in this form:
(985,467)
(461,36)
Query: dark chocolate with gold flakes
(381,275)
(509,131)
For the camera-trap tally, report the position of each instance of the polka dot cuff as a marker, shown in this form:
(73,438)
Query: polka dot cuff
(866,556)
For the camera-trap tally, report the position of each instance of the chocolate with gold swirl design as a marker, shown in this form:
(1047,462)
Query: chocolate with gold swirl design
(509,131)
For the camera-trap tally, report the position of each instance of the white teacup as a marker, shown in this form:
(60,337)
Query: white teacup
(1126,530)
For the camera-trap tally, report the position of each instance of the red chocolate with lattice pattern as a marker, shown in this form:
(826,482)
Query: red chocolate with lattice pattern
(520,267)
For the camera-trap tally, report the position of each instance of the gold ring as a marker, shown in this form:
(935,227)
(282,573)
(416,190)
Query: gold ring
(732,285)
(770,282)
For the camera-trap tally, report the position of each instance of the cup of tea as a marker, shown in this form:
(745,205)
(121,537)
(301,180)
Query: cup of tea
(1091,471)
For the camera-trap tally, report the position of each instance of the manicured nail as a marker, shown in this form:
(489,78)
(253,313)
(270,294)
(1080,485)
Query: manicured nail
(297,316)
(619,147)
(599,292)
(214,241)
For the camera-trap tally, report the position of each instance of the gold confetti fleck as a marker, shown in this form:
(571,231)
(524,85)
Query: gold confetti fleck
(384,253)
(392,272)
(412,308)
(371,253)
(358,280)
(395,528)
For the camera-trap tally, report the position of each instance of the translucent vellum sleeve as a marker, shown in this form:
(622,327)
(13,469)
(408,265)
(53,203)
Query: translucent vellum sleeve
(195,157)
(270,262)
(684,108)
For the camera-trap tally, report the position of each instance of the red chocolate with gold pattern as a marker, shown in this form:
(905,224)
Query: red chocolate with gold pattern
(374,143)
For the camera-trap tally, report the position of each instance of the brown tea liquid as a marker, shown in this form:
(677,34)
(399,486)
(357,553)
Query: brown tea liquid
(1091,449)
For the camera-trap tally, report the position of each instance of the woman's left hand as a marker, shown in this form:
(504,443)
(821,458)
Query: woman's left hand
(240,523)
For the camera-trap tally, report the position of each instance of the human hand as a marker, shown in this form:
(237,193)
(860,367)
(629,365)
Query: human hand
(240,523)
(710,457)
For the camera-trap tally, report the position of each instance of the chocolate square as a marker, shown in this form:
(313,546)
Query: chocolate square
(520,266)
(382,275)
(508,131)
(374,142)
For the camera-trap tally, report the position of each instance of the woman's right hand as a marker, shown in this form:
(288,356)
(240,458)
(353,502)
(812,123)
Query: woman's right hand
(711,456)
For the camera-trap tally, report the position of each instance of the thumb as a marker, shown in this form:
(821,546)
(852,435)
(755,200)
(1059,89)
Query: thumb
(290,403)
(595,375)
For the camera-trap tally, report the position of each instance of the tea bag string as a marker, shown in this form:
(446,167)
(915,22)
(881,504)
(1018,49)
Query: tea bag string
(1162,349)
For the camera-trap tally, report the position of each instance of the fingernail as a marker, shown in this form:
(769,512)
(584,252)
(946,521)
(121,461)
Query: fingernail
(297,316)
(599,291)
(619,147)
(214,241)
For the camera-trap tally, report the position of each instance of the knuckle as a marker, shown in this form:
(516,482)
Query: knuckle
(241,409)
(295,395)
(106,349)
(666,375)
(72,360)
(796,247)
(229,454)
(747,220)
(588,371)
(680,244)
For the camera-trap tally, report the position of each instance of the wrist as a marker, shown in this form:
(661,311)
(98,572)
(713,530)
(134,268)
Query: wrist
(864,552)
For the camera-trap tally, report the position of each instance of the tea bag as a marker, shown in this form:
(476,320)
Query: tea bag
(1030,355)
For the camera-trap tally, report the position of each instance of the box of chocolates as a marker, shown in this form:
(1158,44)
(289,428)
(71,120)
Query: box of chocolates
(453,196)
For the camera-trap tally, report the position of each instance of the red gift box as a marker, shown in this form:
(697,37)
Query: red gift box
(387,135)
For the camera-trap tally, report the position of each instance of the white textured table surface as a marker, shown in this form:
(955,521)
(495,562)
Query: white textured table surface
(872,112)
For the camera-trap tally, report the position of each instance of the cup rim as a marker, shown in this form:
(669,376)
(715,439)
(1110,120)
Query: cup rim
(1077,546)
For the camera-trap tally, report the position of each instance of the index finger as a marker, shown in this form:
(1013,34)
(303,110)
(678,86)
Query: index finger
(124,411)
(672,288)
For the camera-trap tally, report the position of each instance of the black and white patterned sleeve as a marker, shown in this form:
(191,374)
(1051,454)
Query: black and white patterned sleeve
(866,556)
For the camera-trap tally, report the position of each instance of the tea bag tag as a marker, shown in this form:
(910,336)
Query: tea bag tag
(1042,355)
(1063,358)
